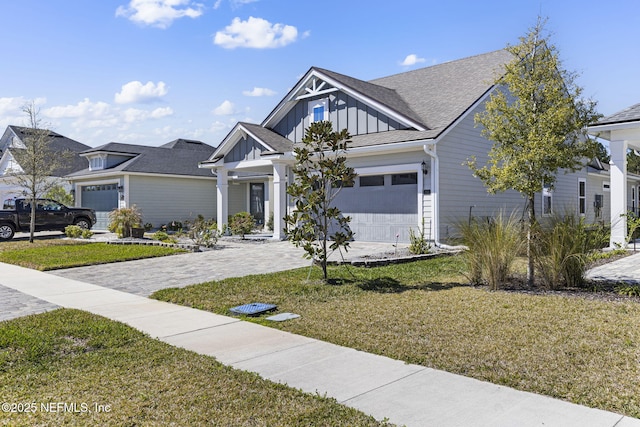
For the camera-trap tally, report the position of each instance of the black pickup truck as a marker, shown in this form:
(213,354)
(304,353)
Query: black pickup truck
(50,216)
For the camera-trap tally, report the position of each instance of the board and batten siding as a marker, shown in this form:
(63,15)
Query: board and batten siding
(245,149)
(345,112)
(165,199)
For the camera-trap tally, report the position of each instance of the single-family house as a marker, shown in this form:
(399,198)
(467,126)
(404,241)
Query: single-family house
(164,182)
(411,134)
(16,138)
(622,130)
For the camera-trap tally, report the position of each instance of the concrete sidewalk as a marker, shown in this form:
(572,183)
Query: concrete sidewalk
(405,394)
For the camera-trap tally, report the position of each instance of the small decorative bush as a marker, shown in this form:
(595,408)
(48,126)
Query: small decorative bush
(148,226)
(73,231)
(162,236)
(242,223)
(628,290)
(492,246)
(561,251)
(203,232)
(270,222)
(417,243)
(174,226)
(121,220)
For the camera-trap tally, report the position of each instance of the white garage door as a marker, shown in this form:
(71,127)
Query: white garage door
(381,207)
(103,198)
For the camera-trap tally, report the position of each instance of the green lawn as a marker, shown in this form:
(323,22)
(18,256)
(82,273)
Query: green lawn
(54,254)
(72,358)
(573,348)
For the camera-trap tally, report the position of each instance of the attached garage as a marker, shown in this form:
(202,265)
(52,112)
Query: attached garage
(103,198)
(381,206)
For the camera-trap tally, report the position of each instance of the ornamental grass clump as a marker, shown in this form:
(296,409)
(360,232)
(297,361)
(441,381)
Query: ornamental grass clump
(492,246)
(561,251)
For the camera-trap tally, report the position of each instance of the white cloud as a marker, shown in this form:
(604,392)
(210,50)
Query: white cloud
(11,105)
(259,91)
(216,5)
(255,33)
(133,115)
(135,91)
(85,108)
(238,3)
(159,13)
(225,109)
(412,59)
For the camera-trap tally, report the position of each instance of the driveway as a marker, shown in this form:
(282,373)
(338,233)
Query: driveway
(230,259)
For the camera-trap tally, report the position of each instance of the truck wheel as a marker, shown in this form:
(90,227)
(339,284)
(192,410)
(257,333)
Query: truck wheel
(83,223)
(6,231)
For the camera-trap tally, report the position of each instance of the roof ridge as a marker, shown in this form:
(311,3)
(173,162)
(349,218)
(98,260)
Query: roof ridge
(441,64)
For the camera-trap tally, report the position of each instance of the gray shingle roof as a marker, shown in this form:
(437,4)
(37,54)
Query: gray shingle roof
(59,143)
(433,97)
(441,93)
(384,95)
(179,157)
(630,114)
(274,140)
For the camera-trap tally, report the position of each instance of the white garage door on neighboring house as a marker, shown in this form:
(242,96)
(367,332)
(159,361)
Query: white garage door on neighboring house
(381,206)
(103,198)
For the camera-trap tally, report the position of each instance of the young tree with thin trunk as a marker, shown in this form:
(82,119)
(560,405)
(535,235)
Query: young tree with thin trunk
(536,118)
(38,162)
(320,173)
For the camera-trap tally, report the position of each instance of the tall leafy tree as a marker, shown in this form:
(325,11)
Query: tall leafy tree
(38,162)
(536,119)
(320,173)
(633,162)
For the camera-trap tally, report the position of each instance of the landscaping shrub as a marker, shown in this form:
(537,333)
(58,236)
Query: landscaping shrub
(86,233)
(162,236)
(561,251)
(121,220)
(174,226)
(242,223)
(417,243)
(73,231)
(203,232)
(492,246)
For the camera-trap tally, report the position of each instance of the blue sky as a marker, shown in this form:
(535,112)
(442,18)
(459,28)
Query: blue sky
(150,71)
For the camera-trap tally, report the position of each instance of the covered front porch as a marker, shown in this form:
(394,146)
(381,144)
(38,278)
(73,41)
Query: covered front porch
(622,130)
(258,187)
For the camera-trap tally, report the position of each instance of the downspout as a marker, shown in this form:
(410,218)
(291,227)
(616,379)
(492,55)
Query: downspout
(435,197)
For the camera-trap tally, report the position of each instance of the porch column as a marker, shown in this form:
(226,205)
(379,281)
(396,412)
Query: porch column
(279,202)
(222,192)
(618,183)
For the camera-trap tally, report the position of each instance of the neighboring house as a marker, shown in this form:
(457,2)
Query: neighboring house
(411,135)
(622,130)
(164,183)
(15,138)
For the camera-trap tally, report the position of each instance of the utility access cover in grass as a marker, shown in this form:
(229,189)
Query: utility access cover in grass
(253,309)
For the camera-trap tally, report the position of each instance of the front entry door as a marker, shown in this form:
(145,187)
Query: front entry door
(256,202)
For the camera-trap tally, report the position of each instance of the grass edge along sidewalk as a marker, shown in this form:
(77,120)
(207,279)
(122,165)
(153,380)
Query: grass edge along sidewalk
(573,348)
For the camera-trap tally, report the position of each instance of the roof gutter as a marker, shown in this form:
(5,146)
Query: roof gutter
(430,150)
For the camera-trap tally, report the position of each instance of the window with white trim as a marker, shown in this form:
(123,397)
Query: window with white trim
(97,163)
(318,110)
(582,196)
(547,200)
